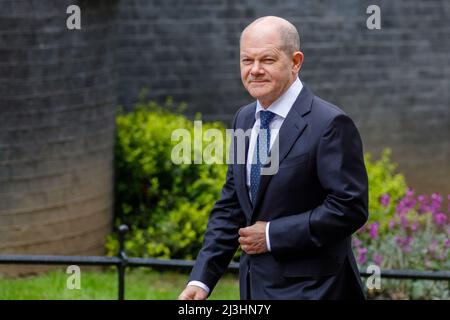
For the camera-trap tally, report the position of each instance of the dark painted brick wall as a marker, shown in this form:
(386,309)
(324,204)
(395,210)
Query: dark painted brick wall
(58,92)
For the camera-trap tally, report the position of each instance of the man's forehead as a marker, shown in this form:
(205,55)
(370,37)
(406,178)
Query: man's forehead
(267,49)
(266,39)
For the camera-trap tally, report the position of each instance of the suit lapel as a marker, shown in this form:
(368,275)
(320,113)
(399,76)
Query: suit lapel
(292,128)
(249,121)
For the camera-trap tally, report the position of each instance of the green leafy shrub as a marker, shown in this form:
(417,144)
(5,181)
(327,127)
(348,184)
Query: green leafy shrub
(383,181)
(165,205)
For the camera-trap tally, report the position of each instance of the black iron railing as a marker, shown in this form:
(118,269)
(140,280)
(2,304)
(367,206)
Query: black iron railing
(122,261)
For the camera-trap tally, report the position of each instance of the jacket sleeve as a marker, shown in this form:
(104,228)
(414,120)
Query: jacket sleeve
(342,174)
(221,236)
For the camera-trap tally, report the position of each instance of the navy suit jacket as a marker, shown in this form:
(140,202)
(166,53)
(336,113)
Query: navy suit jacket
(315,202)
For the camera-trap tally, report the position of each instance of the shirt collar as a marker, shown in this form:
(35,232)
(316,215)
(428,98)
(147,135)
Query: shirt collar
(283,104)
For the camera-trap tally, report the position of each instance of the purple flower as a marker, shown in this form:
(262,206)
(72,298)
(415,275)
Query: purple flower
(362,255)
(448,201)
(446,243)
(414,227)
(377,258)
(401,207)
(404,243)
(406,203)
(440,218)
(398,241)
(362,259)
(373,230)
(384,200)
(407,244)
(356,242)
(423,204)
(404,221)
(436,203)
(409,192)
(436,197)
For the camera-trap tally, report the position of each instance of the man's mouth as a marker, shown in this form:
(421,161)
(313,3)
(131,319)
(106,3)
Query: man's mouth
(258,81)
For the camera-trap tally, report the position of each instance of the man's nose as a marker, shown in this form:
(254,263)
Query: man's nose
(256,68)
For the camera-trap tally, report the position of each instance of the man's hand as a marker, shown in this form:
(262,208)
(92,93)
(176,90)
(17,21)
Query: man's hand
(193,293)
(253,238)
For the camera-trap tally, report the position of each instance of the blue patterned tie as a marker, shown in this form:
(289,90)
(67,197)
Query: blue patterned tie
(262,141)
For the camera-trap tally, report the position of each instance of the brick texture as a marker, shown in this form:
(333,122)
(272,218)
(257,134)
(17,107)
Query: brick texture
(57,98)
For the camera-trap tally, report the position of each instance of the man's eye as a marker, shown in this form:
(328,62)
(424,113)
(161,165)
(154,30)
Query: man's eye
(269,60)
(246,61)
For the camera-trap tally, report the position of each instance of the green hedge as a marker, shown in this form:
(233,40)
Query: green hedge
(383,181)
(165,205)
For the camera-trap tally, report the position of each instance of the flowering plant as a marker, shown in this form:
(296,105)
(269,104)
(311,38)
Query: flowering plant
(416,237)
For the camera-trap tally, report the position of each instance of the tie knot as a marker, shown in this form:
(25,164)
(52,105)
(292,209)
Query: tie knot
(266,117)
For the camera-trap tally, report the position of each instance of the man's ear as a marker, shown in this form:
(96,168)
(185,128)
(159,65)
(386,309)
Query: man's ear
(297,59)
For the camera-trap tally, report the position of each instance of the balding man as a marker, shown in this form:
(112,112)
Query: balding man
(294,226)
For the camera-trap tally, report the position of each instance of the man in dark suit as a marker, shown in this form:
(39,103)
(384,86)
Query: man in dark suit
(294,226)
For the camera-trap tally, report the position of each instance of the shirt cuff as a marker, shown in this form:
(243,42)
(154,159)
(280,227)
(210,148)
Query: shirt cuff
(267,236)
(199,284)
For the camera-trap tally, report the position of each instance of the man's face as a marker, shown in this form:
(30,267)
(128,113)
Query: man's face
(266,70)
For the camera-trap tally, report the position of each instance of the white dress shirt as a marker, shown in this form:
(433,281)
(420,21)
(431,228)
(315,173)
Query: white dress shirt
(281,108)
